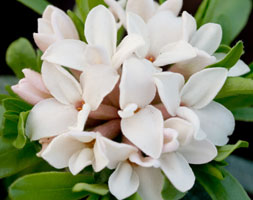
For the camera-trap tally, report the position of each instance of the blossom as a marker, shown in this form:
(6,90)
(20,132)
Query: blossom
(31,88)
(54,25)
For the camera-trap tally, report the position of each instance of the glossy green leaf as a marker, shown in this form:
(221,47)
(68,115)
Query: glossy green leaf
(243,114)
(161,1)
(107,197)
(7,80)
(20,55)
(231,14)
(36,5)
(225,151)
(12,104)
(227,189)
(231,58)
(78,23)
(101,189)
(135,196)
(39,62)
(11,93)
(21,138)
(210,169)
(237,101)
(169,192)
(83,7)
(14,160)
(235,86)
(223,49)
(1,114)
(49,186)
(94,3)
(93,197)
(9,128)
(120,34)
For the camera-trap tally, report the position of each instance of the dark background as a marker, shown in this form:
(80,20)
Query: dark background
(20,21)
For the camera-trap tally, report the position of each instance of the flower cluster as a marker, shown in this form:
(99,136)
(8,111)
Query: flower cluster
(143,108)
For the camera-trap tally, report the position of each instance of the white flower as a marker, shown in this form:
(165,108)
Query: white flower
(193,102)
(54,25)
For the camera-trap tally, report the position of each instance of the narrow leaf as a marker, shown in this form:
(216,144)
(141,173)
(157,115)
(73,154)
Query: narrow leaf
(93,197)
(169,192)
(243,114)
(223,49)
(101,189)
(36,5)
(210,169)
(49,186)
(161,1)
(20,55)
(12,104)
(135,196)
(240,101)
(83,7)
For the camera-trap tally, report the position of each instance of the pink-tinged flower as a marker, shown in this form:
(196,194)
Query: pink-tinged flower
(31,88)
(54,25)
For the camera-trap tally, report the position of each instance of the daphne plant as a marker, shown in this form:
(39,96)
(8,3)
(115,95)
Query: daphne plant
(126,100)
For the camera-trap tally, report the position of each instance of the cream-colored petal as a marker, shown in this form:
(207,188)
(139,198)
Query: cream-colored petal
(171,5)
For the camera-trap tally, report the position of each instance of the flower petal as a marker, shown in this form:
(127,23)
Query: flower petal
(196,64)
(61,84)
(60,150)
(49,118)
(203,86)
(136,84)
(208,38)
(83,136)
(140,160)
(97,81)
(178,171)
(101,30)
(145,130)
(151,183)
(189,26)
(69,53)
(136,25)
(198,152)
(169,85)
(217,122)
(97,55)
(80,160)
(175,52)
(126,48)
(124,181)
(43,41)
(171,5)
(138,8)
(101,160)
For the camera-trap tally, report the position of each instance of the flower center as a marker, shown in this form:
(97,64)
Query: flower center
(150,58)
(79,105)
(90,144)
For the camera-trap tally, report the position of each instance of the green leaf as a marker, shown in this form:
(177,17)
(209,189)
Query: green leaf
(135,196)
(1,113)
(169,192)
(232,15)
(235,86)
(83,7)
(36,5)
(48,186)
(231,58)
(12,104)
(227,189)
(225,151)
(243,114)
(223,49)
(20,55)
(120,34)
(21,138)
(93,197)
(14,160)
(161,1)
(210,169)
(78,23)
(101,189)
(39,53)
(9,128)
(7,80)
(10,92)
(240,101)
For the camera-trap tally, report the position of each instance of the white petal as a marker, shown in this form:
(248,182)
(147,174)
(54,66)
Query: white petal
(43,41)
(240,68)
(96,55)
(151,183)
(116,152)
(203,86)
(145,130)
(101,30)
(101,160)
(189,26)
(171,27)
(196,64)
(171,5)
(61,84)
(69,53)
(128,111)
(175,52)
(98,81)
(80,160)
(217,122)
(184,129)
(63,26)
(48,12)
(50,118)
(45,27)
(136,25)
(171,143)
(178,171)
(126,48)
(143,8)
(190,116)
(83,136)
(208,37)
(136,84)
(60,150)
(124,181)
(199,152)
(169,86)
